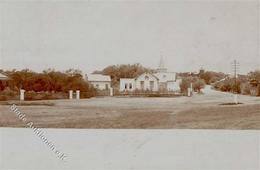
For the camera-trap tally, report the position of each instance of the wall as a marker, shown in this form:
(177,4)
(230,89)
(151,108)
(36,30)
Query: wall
(147,82)
(125,84)
(101,85)
(173,85)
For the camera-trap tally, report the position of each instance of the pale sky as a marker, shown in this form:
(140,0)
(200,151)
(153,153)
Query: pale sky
(90,35)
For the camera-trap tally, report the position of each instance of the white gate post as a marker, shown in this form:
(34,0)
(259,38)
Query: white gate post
(111,91)
(22,94)
(189,92)
(77,94)
(70,94)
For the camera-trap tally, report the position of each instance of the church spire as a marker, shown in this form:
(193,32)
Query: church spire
(161,67)
(161,64)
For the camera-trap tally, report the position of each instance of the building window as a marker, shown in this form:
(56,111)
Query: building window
(142,85)
(146,78)
(97,86)
(125,85)
(106,86)
(151,85)
(130,86)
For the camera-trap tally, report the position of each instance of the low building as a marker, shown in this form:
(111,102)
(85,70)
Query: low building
(99,81)
(144,82)
(3,77)
(3,81)
(168,81)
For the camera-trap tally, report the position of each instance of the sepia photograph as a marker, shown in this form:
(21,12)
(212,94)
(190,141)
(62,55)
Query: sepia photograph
(127,84)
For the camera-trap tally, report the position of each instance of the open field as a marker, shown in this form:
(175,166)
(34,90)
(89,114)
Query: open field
(197,112)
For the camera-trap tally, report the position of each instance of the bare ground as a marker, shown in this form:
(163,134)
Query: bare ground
(198,112)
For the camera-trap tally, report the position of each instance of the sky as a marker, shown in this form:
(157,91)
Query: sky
(90,35)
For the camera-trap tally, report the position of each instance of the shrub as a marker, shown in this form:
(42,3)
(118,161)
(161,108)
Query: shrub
(245,88)
(8,94)
(197,84)
(31,95)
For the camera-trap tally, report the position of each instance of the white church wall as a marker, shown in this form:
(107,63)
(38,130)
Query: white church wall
(174,85)
(165,76)
(147,79)
(127,84)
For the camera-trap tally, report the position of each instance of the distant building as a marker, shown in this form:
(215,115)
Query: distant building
(201,71)
(162,80)
(146,81)
(3,81)
(99,81)
(3,77)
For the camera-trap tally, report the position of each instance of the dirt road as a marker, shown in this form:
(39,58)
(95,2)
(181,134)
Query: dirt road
(201,111)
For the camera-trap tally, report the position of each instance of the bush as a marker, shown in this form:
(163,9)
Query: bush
(31,95)
(39,85)
(197,84)
(229,85)
(8,94)
(246,88)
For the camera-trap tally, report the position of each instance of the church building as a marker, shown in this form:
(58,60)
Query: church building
(162,80)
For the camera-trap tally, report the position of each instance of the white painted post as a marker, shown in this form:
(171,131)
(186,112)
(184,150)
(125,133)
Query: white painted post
(22,94)
(70,94)
(111,91)
(189,92)
(77,94)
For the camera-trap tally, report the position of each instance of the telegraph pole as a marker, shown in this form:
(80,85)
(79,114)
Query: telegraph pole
(235,66)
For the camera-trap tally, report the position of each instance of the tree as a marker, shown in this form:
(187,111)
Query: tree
(185,84)
(198,85)
(229,85)
(49,80)
(211,77)
(254,78)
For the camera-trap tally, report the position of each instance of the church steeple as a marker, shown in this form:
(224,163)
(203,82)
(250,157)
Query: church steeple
(161,67)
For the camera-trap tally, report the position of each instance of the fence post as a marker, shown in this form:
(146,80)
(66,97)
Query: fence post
(70,94)
(189,92)
(22,94)
(77,94)
(111,91)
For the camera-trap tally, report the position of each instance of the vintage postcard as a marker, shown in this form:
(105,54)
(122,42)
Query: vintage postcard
(129,84)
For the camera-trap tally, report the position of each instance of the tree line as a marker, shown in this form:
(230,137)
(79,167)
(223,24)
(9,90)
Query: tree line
(47,81)
(243,84)
(199,80)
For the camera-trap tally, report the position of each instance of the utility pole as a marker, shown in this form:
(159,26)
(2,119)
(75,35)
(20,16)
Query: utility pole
(235,66)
